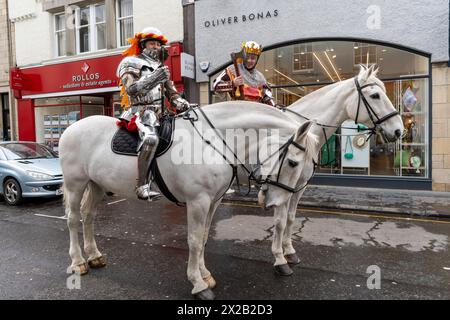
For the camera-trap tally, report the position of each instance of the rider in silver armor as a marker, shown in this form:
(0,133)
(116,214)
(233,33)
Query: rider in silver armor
(145,82)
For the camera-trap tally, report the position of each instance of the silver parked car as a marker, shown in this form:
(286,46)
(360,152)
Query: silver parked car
(28,169)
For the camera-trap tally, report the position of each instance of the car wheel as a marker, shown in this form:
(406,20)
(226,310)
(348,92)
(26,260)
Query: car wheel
(12,192)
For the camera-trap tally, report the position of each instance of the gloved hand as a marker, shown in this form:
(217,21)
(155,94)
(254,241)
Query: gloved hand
(181,104)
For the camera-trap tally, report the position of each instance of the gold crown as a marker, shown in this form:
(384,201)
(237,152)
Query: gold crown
(251,47)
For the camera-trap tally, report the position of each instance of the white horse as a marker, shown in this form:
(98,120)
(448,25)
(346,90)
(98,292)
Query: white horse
(90,168)
(362,99)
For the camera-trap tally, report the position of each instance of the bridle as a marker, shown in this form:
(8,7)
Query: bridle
(268,181)
(377,121)
(251,174)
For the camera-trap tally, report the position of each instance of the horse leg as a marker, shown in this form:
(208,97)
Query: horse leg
(197,213)
(289,251)
(73,204)
(281,266)
(92,197)
(206,275)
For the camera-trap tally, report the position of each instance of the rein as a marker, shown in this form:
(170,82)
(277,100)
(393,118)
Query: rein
(372,115)
(250,173)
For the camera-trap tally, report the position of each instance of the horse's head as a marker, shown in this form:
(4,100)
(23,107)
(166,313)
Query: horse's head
(294,168)
(370,105)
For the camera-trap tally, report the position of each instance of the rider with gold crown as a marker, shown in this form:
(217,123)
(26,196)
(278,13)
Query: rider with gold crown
(145,82)
(247,79)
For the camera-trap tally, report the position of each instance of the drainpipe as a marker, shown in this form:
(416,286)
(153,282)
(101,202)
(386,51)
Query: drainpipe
(192,89)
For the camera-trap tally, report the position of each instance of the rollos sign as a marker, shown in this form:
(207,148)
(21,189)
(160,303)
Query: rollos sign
(88,80)
(82,75)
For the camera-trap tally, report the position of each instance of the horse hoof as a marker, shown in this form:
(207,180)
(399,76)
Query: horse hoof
(206,294)
(283,270)
(97,263)
(210,281)
(81,269)
(292,259)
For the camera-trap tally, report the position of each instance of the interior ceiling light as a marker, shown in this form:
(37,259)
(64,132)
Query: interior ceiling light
(324,68)
(332,65)
(287,77)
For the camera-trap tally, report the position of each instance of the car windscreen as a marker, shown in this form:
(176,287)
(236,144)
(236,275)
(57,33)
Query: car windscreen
(26,151)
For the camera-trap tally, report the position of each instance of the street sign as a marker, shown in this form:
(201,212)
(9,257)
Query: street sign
(187,66)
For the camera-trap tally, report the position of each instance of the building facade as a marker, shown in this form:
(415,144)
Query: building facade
(67,54)
(309,44)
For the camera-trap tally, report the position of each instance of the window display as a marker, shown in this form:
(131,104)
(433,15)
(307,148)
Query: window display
(296,70)
(54,115)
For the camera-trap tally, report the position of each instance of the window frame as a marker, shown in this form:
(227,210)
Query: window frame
(92,28)
(362,45)
(307,45)
(119,19)
(57,32)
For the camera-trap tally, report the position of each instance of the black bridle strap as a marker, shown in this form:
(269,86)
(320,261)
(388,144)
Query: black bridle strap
(290,189)
(251,175)
(387,117)
(369,108)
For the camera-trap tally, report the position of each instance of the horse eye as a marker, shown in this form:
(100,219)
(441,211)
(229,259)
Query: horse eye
(292,163)
(375,96)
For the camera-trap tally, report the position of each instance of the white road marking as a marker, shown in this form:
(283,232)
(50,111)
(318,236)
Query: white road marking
(114,202)
(54,217)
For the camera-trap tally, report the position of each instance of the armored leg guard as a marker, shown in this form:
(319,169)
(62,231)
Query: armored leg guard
(146,154)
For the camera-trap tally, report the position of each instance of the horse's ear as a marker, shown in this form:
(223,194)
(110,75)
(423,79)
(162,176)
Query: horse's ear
(364,73)
(309,140)
(303,130)
(376,69)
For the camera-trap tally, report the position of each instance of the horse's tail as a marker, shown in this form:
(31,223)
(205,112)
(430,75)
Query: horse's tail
(66,201)
(88,202)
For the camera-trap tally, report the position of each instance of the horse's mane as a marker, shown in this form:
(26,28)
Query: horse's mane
(323,91)
(316,93)
(236,108)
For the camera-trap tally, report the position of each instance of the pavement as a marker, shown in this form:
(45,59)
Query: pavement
(411,202)
(146,250)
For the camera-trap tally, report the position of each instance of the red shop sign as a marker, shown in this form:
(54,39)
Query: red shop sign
(82,75)
(70,76)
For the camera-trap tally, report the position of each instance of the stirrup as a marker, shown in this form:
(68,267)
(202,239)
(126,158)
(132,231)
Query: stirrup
(145,193)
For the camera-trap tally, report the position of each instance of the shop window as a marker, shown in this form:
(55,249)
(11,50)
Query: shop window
(124,21)
(91,28)
(60,34)
(54,115)
(407,85)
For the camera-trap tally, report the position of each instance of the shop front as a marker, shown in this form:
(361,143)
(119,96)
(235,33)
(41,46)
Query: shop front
(302,54)
(52,97)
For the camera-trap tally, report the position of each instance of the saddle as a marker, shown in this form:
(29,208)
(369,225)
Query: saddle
(126,142)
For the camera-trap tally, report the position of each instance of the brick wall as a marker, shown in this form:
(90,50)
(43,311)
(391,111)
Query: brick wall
(441,127)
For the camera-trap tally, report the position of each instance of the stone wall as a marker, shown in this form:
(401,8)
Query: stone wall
(441,127)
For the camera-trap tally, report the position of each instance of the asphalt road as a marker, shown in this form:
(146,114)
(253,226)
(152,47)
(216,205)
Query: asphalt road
(146,250)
